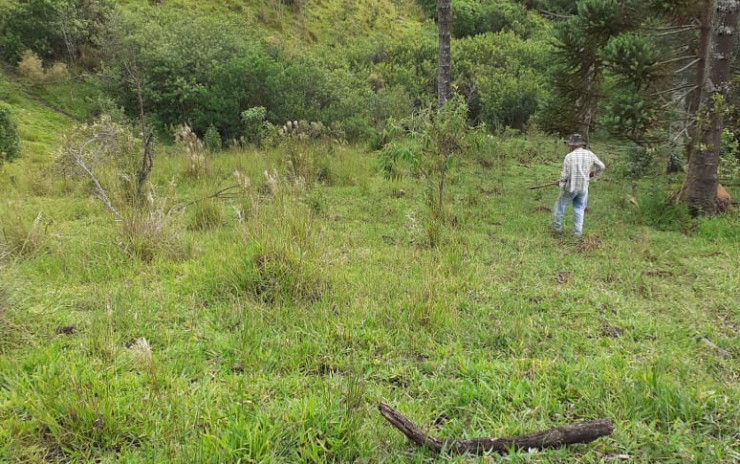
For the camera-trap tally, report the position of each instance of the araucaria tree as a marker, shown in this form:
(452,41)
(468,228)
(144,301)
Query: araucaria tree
(701,181)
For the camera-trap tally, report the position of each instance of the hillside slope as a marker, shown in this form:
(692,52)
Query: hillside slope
(299,22)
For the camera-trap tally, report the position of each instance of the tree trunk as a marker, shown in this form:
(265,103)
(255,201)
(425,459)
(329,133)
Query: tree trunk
(695,97)
(587,102)
(443,64)
(701,180)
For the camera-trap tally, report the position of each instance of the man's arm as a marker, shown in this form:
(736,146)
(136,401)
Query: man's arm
(565,172)
(599,167)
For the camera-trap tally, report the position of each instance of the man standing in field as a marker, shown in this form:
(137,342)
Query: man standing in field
(574,179)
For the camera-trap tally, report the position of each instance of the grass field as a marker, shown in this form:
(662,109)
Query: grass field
(265,327)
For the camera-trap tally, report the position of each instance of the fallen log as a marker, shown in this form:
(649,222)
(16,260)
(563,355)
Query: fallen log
(583,432)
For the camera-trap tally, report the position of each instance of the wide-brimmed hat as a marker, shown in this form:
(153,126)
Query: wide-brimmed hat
(576,140)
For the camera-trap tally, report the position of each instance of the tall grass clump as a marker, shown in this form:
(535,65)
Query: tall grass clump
(195,151)
(205,215)
(279,262)
(148,231)
(19,238)
(656,209)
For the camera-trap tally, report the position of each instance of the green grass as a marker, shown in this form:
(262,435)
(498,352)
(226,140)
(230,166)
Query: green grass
(277,320)
(40,126)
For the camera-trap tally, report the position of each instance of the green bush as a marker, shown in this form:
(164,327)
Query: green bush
(471,17)
(506,72)
(8,135)
(212,139)
(254,124)
(57,30)
(205,72)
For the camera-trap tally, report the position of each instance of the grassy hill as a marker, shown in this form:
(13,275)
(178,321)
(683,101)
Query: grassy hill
(265,327)
(300,23)
(264,324)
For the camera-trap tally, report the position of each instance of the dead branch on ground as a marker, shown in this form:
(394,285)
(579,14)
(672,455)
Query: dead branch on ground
(583,432)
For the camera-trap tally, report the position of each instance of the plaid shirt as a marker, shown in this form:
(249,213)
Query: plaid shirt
(576,170)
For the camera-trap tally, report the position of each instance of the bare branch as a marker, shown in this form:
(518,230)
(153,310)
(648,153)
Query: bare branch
(680,58)
(221,194)
(101,192)
(584,432)
(687,66)
(553,15)
(675,89)
(675,31)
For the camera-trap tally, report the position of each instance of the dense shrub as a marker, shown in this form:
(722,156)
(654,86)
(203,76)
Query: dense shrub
(8,135)
(254,124)
(206,73)
(505,72)
(58,30)
(471,17)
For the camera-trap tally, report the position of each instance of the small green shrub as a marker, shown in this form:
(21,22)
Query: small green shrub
(57,73)
(276,274)
(254,124)
(212,139)
(8,135)
(390,158)
(638,161)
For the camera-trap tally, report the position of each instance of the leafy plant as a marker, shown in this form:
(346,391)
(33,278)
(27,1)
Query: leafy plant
(441,136)
(8,135)
(254,124)
(212,139)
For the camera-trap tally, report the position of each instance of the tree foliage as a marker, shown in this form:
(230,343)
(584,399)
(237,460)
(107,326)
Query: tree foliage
(53,29)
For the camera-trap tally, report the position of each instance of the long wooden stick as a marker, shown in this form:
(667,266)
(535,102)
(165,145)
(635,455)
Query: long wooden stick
(583,432)
(549,184)
(555,182)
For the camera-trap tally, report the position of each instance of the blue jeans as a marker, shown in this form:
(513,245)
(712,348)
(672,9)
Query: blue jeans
(579,207)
